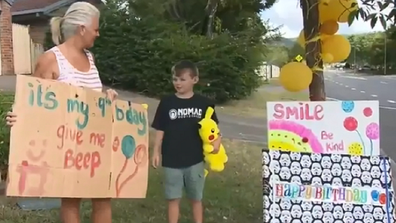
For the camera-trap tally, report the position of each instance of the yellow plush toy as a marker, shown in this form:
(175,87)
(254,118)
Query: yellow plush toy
(209,132)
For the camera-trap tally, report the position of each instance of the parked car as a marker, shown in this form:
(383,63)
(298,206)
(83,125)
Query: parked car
(365,68)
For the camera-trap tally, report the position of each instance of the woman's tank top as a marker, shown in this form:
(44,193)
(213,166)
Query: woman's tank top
(69,74)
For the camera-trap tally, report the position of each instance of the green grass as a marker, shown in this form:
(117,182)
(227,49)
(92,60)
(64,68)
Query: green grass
(255,105)
(233,196)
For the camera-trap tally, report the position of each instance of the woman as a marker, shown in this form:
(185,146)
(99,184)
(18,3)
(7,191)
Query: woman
(70,62)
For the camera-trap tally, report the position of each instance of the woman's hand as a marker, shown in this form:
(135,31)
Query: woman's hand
(11,118)
(111,94)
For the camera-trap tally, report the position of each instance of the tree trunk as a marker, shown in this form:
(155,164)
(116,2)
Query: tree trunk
(310,11)
(211,9)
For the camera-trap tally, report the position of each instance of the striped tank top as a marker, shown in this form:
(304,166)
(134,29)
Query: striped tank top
(69,74)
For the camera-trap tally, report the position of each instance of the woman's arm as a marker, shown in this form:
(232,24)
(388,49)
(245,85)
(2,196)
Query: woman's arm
(47,66)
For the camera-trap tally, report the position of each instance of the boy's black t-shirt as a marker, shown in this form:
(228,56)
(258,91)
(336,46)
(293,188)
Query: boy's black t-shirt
(178,118)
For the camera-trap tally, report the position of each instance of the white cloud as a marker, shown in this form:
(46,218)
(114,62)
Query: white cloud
(287,13)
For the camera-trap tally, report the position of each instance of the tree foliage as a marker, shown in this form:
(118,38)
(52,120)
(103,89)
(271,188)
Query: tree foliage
(277,55)
(295,51)
(141,40)
(374,11)
(374,48)
(362,46)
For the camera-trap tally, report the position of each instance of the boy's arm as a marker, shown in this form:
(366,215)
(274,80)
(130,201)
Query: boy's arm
(159,125)
(159,135)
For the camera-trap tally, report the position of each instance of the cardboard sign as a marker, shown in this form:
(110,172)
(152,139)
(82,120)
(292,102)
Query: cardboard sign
(343,127)
(73,142)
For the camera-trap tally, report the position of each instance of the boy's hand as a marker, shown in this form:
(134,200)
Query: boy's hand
(215,150)
(216,145)
(155,160)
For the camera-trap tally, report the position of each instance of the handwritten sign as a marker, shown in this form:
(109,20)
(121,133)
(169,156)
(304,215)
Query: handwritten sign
(73,142)
(330,193)
(345,127)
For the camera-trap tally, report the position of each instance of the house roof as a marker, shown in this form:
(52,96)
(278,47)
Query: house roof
(10,1)
(23,7)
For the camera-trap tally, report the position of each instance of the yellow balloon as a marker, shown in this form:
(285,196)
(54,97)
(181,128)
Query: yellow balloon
(338,46)
(327,58)
(337,10)
(295,76)
(329,27)
(301,38)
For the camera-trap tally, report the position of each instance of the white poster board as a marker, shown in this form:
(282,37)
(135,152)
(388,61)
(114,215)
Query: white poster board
(344,127)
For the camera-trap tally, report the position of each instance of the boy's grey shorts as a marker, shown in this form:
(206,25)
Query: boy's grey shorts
(191,178)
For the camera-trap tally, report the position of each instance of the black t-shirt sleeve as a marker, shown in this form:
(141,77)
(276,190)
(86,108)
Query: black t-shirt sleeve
(214,116)
(159,122)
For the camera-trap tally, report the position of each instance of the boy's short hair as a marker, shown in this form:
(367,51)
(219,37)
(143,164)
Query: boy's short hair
(185,65)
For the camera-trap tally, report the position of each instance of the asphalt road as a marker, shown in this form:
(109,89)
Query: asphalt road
(347,86)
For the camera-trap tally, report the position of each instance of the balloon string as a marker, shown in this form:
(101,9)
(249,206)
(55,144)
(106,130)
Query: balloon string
(371,145)
(138,162)
(361,139)
(129,178)
(118,189)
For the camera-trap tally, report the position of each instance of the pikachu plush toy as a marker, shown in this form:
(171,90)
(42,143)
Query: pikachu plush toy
(209,132)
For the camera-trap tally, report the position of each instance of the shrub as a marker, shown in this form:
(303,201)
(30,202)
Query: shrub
(6,101)
(137,54)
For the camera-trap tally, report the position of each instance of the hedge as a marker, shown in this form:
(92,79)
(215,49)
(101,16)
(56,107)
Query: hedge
(6,101)
(137,55)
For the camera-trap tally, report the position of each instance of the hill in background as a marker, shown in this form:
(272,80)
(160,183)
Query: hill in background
(287,42)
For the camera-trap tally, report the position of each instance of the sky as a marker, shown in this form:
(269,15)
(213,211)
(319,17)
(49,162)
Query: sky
(288,14)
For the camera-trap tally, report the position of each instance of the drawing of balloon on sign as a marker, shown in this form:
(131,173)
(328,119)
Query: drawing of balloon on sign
(139,154)
(372,133)
(351,124)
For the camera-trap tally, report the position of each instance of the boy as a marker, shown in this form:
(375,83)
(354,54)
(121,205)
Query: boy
(179,143)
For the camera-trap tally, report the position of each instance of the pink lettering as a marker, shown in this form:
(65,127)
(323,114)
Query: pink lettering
(335,193)
(80,161)
(279,190)
(326,135)
(318,193)
(335,147)
(301,112)
(279,113)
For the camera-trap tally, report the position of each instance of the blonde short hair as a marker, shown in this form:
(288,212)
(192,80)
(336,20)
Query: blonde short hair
(79,13)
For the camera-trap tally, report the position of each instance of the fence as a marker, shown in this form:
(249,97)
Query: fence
(268,71)
(36,50)
(25,51)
